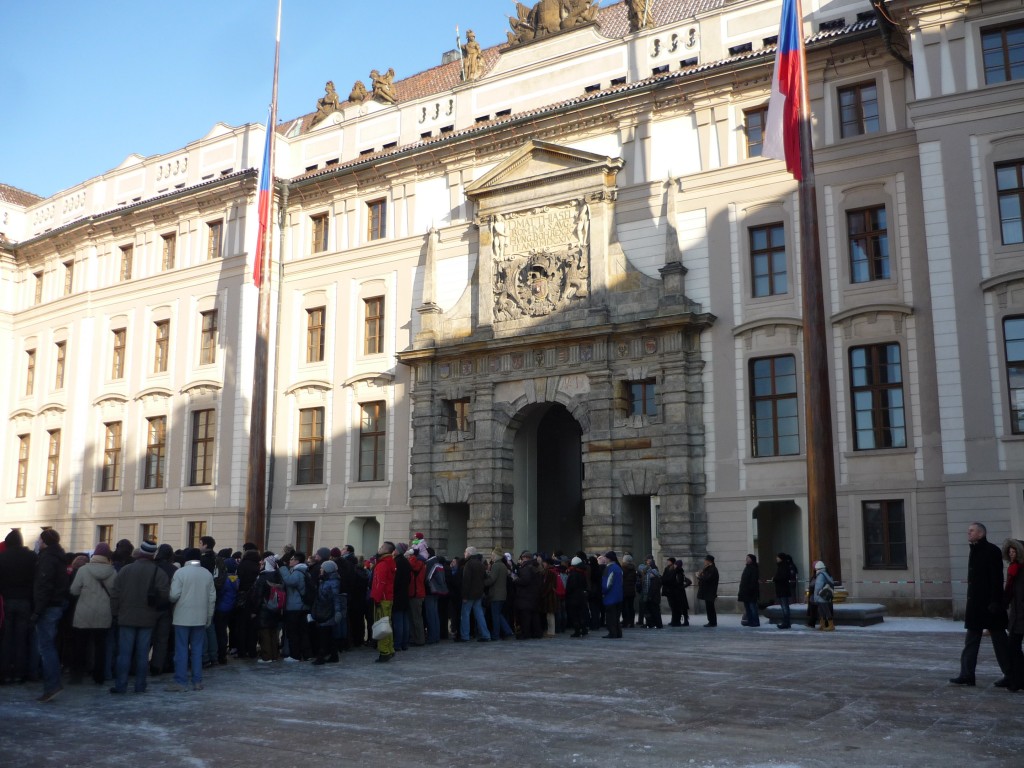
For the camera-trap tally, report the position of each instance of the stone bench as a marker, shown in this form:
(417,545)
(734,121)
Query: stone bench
(851,614)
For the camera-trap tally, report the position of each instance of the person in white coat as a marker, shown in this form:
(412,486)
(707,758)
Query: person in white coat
(194,597)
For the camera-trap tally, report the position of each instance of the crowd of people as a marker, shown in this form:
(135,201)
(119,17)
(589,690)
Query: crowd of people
(128,614)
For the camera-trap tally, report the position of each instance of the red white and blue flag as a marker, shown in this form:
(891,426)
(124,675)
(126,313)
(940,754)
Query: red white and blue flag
(789,86)
(263,209)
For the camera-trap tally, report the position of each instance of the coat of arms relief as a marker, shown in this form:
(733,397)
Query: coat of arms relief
(541,260)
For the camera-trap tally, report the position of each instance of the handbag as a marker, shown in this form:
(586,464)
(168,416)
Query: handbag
(381,628)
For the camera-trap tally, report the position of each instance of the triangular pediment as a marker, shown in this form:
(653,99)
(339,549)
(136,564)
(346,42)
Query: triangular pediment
(540,163)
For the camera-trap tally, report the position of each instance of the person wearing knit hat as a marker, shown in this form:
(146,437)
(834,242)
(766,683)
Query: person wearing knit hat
(146,549)
(93,618)
(823,592)
(576,597)
(335,552)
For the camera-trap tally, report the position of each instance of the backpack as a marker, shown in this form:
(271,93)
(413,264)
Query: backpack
(229,594)
(560,581)
(276,598)
(436,583)
(309,590)
(323,608)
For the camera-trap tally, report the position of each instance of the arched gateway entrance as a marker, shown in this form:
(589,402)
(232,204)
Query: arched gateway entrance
(547,506)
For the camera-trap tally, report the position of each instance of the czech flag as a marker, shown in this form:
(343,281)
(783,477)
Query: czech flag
(264,209)
(782,129)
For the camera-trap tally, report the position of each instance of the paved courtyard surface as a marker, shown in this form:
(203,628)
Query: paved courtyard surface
(731,696)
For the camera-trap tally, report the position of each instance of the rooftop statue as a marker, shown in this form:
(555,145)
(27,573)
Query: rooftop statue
(472,57)
(640,16)
(549,17)
(327,104)
(359,93)
(383,87)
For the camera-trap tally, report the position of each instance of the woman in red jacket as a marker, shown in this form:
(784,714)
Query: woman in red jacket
(382,592)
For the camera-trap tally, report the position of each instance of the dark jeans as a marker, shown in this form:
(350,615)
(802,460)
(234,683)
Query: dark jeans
(132,640)
(753,615)
(14,651)
(499,626)
(786,616)
(709,606)
(972,643)
(629,611)
(189,643)
(1016,676)
(612,615)
(46,643)
(221,619)
(433,619)
(86,640)
(161,660)
(652,611)
(298,636)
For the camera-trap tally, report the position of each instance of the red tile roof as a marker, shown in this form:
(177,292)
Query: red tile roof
(15,196)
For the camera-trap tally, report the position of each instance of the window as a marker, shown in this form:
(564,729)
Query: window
(372,432)
(373,325)
(30,371)
(52,461)
(149,532)
(1002,50)
(376,219)
(208,338)
(37,281)
(876,384)
(214,238)
(869,244)
(195,530)
(61,358)
(163,338)
(127,255)
(774,419)
(315,335)
(310,465)
(111,457)
(69,277)
(105,533)
(885,534)
(753,128)
(858,109)
(1010,189)
(203,433)
(1013,337)
(304,536)
(117,360)
(170,242)
(768,275)
(21,487)
(156,449)
(320,231)
(640,398)
(457,414)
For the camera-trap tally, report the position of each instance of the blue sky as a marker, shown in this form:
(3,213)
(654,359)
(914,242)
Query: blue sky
(85,84)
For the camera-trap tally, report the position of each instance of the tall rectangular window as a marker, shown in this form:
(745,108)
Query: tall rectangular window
(1002,50)
(161,343)
(320,232)
(858,109)
(640,398)
(21,485)
(315,334)
(373,325)
(37,284)
(774,411)
(105,533)
(149,532)
(885,534)
(156,450)
(127,257)
(69,277)
(457,414)
(876,387)
(169,244)
(304,532)
(117,358)
(194,531)
(310,463)
(111,457)
(768,274)
(753,129)
(30,371)
(204,425)
(59,364)
(214,239)
(372,438)
(376,219)
(1013,338)
(869,244)
(1010,191)
(208,338)
(52,462)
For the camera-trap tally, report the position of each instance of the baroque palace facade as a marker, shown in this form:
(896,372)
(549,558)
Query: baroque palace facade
(547,295)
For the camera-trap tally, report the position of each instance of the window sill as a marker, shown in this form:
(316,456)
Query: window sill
(369,484)
(1012,437)
(782,458)
(149,491)
(881,568)
(880,452)
(309,486)
(198,488)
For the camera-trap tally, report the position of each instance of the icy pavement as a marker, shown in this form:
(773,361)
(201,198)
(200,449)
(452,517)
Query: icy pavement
(729,697)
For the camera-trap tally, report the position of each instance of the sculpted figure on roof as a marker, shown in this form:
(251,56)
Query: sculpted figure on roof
(472,57)
(358,93)
(549,17)
(383,87)
(640,16)
(327,104)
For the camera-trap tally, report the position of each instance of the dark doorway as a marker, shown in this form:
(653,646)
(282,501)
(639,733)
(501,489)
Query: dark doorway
(457,517)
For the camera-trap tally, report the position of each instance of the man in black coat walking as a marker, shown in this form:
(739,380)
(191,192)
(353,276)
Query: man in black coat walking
(984,606)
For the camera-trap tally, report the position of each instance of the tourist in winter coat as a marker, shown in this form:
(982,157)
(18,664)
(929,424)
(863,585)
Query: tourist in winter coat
(49,601)
(784,578)
(474,573)
(750,592)
(674,584)
(17,575)
(707,589)
(611,594)
(629,582)
(1013,553)
(400,619)
(382,592)
(527,600)
(822,579)
(92,586)
(195,598)
(496,584)
(328,629)
(576,597)
(417,593)
(137,614)
(268,620)
(650,594)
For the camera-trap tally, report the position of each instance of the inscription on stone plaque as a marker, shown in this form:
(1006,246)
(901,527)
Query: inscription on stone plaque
(541,260)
